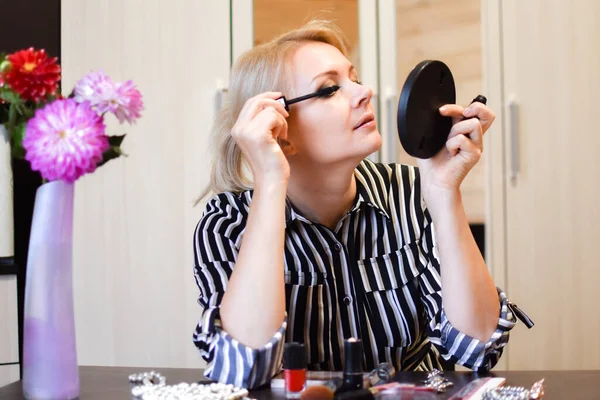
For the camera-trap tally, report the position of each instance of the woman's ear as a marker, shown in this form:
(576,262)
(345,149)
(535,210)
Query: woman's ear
(287,147)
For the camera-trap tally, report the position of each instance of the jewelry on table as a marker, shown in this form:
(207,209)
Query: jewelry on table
(147,379)
(153,386)
(436,380)
(383,373)
(515,392)
(506,393)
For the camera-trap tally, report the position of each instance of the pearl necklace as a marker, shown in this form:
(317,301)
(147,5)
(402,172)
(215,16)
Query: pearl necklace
(152,386)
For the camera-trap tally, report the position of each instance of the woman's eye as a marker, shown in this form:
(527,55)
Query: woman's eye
(357,81)
(333,89)
(333,92)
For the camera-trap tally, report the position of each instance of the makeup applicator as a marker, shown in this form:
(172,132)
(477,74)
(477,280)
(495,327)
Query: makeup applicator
(323,92)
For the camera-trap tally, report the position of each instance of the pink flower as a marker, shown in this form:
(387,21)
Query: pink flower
(130,102)
(121,98)
(65,140)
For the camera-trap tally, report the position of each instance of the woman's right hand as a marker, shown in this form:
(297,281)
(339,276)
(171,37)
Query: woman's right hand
(261,122)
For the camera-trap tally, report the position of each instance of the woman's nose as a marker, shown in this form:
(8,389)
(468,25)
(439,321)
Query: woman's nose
(362,95)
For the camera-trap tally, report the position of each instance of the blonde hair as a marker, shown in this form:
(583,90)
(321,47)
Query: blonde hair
(264,68)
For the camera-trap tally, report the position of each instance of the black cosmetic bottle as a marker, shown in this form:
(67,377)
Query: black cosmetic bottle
(353,372)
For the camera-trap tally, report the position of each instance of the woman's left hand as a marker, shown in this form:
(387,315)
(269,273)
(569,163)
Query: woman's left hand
(445,171)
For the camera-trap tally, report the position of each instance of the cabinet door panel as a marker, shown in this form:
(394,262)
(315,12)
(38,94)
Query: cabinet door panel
(134,289)
(9,330)
(9,374)
(552,74)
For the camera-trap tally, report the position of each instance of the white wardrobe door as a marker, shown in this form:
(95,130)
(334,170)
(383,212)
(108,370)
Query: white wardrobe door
(9,333)
(552,80)
(9,374)
(135,295)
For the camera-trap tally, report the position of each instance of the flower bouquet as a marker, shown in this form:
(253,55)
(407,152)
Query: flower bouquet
(63,138)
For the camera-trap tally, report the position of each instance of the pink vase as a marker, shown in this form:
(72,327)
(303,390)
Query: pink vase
(50,369)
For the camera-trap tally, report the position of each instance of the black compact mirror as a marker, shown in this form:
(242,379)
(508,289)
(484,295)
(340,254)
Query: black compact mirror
(422,129)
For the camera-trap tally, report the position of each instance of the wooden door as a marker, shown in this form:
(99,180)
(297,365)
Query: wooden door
(449,31)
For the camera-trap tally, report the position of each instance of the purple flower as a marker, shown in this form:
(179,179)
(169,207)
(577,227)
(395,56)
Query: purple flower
(121,98)
(65,140)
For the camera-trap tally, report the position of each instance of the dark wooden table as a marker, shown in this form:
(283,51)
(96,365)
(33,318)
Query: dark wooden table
(112,383)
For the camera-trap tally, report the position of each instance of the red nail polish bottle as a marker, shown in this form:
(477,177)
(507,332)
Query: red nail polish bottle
(294,369)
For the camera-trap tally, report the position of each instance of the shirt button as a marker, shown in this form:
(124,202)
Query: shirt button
(337,246)
(347,300)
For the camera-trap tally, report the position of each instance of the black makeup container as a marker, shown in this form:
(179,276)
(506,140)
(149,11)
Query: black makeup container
(353,371)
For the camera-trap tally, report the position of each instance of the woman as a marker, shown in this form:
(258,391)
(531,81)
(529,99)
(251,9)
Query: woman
(322,244)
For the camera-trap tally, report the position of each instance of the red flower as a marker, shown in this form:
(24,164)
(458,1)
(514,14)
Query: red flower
(32,74)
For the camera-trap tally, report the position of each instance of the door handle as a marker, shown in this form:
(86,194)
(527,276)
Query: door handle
(513,126)
(220,99)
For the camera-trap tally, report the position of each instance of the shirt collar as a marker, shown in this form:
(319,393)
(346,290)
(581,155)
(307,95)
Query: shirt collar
(291,214)
(369,194)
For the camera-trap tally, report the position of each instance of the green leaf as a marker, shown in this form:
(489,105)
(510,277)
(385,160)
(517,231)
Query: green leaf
(116,140)
(12,118)
(11,97)
(4,63)
(27,112)
(17,141)
(110,154)
(21,109)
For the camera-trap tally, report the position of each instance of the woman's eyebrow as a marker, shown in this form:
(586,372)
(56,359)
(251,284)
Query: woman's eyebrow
(333,72)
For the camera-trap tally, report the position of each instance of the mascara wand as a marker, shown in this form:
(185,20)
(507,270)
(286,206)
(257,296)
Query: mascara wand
(324,92)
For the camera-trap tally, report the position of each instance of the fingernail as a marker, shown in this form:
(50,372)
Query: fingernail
(443,108)
(468,111)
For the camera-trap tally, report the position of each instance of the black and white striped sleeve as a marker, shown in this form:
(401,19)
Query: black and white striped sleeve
(453,344)
(216,242)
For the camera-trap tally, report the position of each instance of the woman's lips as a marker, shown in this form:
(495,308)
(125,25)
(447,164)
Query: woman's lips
(366,122)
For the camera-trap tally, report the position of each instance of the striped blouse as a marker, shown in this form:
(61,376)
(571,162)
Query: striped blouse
(375,277)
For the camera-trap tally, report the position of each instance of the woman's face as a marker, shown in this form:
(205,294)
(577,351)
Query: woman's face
(332,129)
